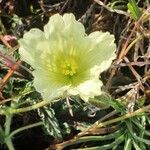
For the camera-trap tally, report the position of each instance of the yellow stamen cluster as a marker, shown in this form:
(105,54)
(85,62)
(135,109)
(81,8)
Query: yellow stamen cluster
(69,67)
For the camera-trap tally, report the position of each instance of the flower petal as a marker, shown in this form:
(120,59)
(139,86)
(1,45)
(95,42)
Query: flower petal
(54,27)
(65,34)
(31,46)
(102,51)
(45,85)
(87,89)
(73,27)
(66,26)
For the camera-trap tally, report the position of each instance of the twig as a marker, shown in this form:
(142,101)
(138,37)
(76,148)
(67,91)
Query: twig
(9,74)
(95,124)
(124,50)
(83,139)
(64,6)
(69,106)
(140,63)
(110,9)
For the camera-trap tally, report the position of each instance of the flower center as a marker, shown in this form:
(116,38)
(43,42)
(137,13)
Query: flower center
(69,67)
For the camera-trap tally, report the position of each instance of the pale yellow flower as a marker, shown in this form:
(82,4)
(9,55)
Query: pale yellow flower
(66,60)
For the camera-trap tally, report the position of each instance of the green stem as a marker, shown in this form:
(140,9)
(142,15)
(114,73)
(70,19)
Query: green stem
(8,140)
(8,124)
(25,128)
(126,116)
(43,103)
(9,144)
(29,108)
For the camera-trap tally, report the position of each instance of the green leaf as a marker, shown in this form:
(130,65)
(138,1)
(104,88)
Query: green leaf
(142,129)
(136,146)
(140,139)
(106,100)
(134,10)
(51,124)
(128,143)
